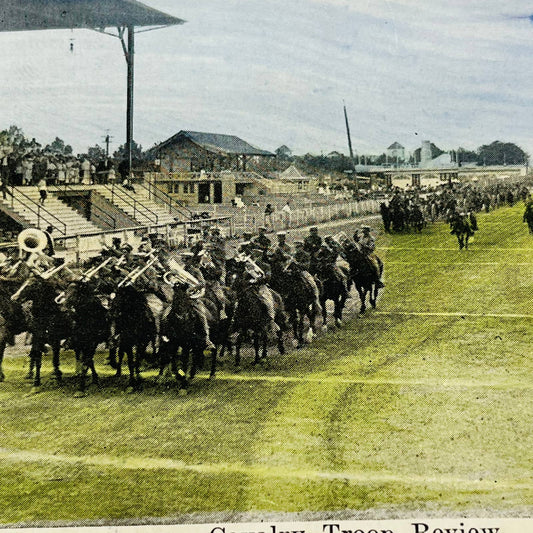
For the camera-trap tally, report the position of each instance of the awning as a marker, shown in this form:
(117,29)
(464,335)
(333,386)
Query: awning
(28,15)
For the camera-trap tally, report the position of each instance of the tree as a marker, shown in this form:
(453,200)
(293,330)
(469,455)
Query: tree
(501,153)
(96,153)
(136,152)
(58,146)
(12,136)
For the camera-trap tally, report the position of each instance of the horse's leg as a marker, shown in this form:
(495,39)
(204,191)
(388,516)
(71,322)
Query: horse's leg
(256,347)
(337,313)
(131,365)
(213,368)
(362,297)
(120,352)
(264,339)
(466,241)
(83,372)
(197,356)
(3,343)
(238,342)
(324,311)
(31,368)
(37,356)
(90,363)
(56,348)
(373,293)
(300,328)
(281,346)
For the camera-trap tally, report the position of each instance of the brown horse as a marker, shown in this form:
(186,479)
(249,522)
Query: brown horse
(301,298)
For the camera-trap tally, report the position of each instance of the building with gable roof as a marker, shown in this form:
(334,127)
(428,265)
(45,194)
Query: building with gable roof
(196,151)
(396,151)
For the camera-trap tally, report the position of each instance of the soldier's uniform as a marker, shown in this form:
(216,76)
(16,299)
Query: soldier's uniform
(262,241)
(301,257)
(312,244)
(192,266)
(368,246)
(258,282)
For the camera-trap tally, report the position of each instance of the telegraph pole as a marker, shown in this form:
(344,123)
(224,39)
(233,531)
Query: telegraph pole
(107,141)
(351,151)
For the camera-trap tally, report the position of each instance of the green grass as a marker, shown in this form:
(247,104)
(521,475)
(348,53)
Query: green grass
(393,412)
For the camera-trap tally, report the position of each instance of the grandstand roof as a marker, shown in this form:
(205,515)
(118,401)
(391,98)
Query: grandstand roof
(68,14)
(216,142)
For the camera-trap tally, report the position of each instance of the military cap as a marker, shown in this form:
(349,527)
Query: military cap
(366,228)
(281,233)
(313,228)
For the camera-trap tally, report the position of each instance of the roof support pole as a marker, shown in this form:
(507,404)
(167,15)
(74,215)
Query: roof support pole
(129,108)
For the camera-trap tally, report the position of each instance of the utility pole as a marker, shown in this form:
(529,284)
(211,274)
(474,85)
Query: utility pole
(107,141)
(351,151)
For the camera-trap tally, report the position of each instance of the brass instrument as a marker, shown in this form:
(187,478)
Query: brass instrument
(252,268)
(47,274)
(178,274)
(32,240)
(134,275)
(86,276)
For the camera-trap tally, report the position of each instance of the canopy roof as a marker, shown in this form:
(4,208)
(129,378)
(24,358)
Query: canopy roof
(28,15)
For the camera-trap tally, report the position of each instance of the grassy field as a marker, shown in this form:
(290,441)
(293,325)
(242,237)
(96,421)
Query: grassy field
(423,405)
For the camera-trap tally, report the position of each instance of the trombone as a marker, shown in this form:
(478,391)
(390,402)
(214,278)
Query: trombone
(86,276)
(136,273)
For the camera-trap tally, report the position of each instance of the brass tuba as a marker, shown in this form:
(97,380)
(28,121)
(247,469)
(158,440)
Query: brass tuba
(32,240)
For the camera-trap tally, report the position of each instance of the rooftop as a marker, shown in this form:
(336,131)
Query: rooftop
(216,142)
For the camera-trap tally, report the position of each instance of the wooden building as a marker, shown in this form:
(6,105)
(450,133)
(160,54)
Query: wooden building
(194,151)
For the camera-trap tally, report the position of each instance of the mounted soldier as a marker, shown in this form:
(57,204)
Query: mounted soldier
(312,244)
(261,240)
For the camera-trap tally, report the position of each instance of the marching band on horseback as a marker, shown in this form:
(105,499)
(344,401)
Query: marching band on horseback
(189,304)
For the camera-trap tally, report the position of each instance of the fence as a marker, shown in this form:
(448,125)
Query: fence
(248,220)
(179,235)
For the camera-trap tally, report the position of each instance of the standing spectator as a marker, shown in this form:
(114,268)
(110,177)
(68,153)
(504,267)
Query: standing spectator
(286,210)
(27,170)
(269,210)
(43,192)
(85,172)
(61,171)
(49,248)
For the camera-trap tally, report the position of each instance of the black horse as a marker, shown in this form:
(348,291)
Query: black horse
(333,287)
(134,325)
(365,274)
(185,326)
(12,319)
(90,327)
(49,324)
(462,228)
(252,315)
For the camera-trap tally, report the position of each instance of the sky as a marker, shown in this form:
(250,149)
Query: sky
(455,72)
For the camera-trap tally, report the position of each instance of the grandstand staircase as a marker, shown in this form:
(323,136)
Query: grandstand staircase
(24,207)
(144,205)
